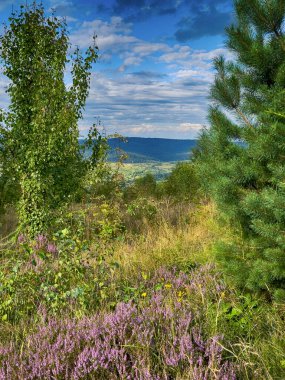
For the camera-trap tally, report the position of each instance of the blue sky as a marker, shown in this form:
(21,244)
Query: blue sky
(155,66)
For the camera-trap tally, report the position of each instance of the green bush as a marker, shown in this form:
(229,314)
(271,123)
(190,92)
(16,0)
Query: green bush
(182,183)
(141,187)
(57,275)
(99,181)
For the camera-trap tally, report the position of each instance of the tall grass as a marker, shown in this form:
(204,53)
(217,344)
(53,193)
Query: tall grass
(152,264)
(183,235)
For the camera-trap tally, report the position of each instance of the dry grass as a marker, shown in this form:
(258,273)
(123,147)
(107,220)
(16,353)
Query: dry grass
(177,243)
(187,241)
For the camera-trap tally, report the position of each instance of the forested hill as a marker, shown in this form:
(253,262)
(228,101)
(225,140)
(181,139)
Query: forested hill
(141,149)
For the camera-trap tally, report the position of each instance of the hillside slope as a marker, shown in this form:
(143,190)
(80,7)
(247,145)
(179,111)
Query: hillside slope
(141,149)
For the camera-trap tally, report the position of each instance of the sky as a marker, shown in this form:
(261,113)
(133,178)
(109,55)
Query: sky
(154,70)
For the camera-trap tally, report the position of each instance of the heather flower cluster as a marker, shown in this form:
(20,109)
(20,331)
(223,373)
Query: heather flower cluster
(42,242)
(159,338)
(21,239)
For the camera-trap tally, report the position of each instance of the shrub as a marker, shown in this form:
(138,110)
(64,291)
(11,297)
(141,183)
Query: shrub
(159,337)
(58,274)
(182,183)
(141,187)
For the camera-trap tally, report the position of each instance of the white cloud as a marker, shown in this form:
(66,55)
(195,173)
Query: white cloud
(177,54)
(161,107)
(170,130)
(146,48)
(170,101)
(4,100)
(109,34)
(188,127)
(68,19)
(115,37)
(60,3)
(144,103)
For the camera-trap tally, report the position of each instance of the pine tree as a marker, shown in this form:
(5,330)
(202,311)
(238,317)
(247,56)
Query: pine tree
(241,157)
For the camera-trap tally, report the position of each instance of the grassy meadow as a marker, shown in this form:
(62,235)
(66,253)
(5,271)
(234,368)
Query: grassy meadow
(128,287)
(156,271)
(131,171)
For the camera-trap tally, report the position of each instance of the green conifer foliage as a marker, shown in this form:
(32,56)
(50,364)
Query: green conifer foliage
(241,157)
(39,133)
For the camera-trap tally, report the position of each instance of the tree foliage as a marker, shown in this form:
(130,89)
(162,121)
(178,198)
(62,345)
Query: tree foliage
(182,183)
(39,134)
(241,156)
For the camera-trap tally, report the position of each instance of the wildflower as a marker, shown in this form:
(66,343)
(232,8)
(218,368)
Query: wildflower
(21,239)
(41,241)
(96,346)
(144,276)
(51,248)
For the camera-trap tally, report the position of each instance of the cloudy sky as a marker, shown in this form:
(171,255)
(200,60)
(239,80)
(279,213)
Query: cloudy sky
(155,65)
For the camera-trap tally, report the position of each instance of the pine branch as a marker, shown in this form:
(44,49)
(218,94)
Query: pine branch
(280,36)
(244,118)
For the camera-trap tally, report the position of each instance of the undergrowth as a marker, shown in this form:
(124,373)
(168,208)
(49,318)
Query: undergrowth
(132,291)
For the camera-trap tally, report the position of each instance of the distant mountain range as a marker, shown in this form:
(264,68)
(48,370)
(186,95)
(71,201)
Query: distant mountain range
(140,149)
